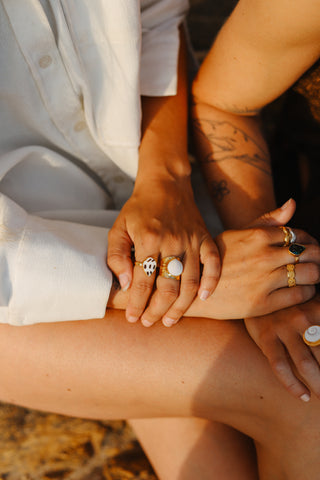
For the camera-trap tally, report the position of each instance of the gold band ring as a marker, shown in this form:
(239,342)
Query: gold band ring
(291,275)
(296,250)
(149,265)
(311,336)
(171,267)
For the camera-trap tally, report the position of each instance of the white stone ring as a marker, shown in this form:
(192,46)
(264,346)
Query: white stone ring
(149,265)
(171,267)
(311,336)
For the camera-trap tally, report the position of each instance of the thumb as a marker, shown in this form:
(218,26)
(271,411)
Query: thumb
(277,217)
(119,256)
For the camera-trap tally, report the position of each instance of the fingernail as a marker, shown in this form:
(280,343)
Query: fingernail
(305,397)
(124,281)
(204,294)
(168,322)
(132,319)
(146,323)
(285,205)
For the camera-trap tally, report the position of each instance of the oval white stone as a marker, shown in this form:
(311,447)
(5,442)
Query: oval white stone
(312,334)
(175,267)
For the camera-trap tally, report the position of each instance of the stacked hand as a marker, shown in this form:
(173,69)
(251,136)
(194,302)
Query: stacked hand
(161,220)
(280,335)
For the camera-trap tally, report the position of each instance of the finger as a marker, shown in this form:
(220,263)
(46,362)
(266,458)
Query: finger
(276,354)
(286,297)
(306,364)
(277,217)
(144,275)
(210,259)
(303,273)
(163,297)
(188,289)
(119,255)
(281,256)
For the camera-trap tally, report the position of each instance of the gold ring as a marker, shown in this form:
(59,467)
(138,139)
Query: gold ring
(296,250)
(311,336)
(171,267)
(149,265)
(289,236)
(291,275)
(286,238)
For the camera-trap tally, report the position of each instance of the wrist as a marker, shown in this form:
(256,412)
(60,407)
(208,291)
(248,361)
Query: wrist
(168,169)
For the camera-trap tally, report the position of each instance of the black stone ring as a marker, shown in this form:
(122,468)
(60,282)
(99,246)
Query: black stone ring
(296,250)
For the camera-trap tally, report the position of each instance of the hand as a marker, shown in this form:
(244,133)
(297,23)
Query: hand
(161,219)
(253,278)
(279,336)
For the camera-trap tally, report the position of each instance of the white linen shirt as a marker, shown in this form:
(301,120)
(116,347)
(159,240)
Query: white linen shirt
(72,73)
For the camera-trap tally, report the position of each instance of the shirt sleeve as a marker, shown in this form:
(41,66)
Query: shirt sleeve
(51,270)
(160,45)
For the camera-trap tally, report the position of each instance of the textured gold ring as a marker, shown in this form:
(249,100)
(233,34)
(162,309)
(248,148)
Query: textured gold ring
(171,267)
(291,275)
(149,265)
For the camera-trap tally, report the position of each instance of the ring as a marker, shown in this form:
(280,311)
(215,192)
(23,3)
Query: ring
(296,250)
(291,275)
(289,236)
(149,265)
(171,267)
(311,336)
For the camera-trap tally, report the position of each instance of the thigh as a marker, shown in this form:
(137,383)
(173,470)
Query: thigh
(110,369)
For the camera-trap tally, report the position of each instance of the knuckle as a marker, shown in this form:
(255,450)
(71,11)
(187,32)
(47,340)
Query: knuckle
(190,285)
(141,287)
(305,365)
(168,296)
(279,366)
(300,294)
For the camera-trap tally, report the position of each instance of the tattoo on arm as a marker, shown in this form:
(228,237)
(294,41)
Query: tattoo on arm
(230,142)
(219,190)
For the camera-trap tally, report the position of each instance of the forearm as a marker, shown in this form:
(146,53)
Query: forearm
(235,161)
(163,150)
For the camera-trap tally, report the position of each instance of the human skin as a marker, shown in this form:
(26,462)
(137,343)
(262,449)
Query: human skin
(161,218)
(109,369)
(262,49)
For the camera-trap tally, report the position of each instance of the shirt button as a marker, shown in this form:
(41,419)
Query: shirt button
(45,61)
(79,126)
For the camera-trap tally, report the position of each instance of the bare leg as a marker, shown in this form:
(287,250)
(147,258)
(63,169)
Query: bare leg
(189,448)
(111,369)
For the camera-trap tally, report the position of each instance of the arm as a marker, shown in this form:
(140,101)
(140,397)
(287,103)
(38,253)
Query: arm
(261,51)
(161,218)
(253,277)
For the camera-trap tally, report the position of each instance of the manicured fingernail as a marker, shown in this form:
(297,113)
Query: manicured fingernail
(168,322)
(305,397)
(124,281)
(285,205)
(146,323)
(204,294)
(132,319)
